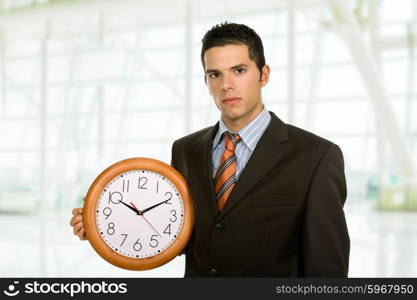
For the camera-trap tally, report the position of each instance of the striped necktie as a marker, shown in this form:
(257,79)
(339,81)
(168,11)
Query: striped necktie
(225,177)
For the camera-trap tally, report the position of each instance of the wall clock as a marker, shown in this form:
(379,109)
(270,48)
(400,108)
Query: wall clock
(138,214)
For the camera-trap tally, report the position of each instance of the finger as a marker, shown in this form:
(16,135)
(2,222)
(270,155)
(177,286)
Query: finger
(75,220)
(77,228)
(82,235)
(77,211)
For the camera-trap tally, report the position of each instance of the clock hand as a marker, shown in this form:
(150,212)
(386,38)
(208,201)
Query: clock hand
(138,212)
(141,214)
(153,206)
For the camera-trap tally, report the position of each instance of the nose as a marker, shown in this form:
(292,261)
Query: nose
(226,82)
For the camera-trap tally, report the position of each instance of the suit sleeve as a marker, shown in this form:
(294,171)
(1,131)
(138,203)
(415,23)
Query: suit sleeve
(173,161)
(326,242)
(174,164)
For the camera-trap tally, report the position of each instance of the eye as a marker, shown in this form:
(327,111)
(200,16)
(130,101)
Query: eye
(214,75)
(240,70)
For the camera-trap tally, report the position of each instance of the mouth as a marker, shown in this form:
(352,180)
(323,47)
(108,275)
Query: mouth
(231,100)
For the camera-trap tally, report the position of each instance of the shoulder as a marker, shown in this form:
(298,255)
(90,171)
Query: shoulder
(301,143)
(195,137)
(295,135)
(305,137)
(312,146)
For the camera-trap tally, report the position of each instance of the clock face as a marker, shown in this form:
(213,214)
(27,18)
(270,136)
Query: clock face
(139,213)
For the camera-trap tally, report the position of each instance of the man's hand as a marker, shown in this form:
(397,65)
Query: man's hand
(77,223)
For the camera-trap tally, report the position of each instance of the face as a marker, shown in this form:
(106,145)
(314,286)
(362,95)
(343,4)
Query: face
(235,83)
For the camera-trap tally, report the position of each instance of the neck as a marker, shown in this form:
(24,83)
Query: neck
(236,124)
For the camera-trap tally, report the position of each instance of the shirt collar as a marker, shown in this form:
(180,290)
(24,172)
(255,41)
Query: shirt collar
(262,120)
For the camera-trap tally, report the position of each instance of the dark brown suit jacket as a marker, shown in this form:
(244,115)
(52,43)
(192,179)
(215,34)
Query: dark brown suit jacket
(284,217)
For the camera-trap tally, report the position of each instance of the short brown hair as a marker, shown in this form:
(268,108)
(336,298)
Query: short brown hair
(234,34)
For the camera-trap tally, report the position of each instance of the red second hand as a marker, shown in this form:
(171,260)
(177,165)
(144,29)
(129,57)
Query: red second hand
(145,219)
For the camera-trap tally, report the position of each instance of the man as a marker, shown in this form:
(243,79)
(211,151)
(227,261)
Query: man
(268,196)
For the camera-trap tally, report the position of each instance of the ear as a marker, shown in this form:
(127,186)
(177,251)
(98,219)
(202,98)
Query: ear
(266,70)
(205,81)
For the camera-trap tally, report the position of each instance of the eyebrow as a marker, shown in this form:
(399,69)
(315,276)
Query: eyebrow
(232,68)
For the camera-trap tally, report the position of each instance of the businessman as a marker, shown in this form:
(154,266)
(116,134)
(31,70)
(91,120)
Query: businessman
(268,196)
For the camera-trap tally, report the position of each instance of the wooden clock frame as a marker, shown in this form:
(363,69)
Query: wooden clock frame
(90,205)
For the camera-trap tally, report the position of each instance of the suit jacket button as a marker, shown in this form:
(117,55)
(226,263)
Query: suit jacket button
(213,272)
(219,227)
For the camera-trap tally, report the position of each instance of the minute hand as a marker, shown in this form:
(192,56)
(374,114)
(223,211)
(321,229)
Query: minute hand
(153,206)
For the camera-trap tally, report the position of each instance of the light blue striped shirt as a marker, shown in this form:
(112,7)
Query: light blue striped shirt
(249,135)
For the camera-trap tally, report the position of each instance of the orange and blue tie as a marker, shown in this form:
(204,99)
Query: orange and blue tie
(225,177)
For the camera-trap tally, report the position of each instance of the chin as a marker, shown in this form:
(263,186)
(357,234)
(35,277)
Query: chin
(232,117)
(232,112)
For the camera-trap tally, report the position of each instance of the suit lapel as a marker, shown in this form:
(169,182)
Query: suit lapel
(267,154)
(203,158)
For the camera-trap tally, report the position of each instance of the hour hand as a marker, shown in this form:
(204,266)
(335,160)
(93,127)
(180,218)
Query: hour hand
(137,211)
